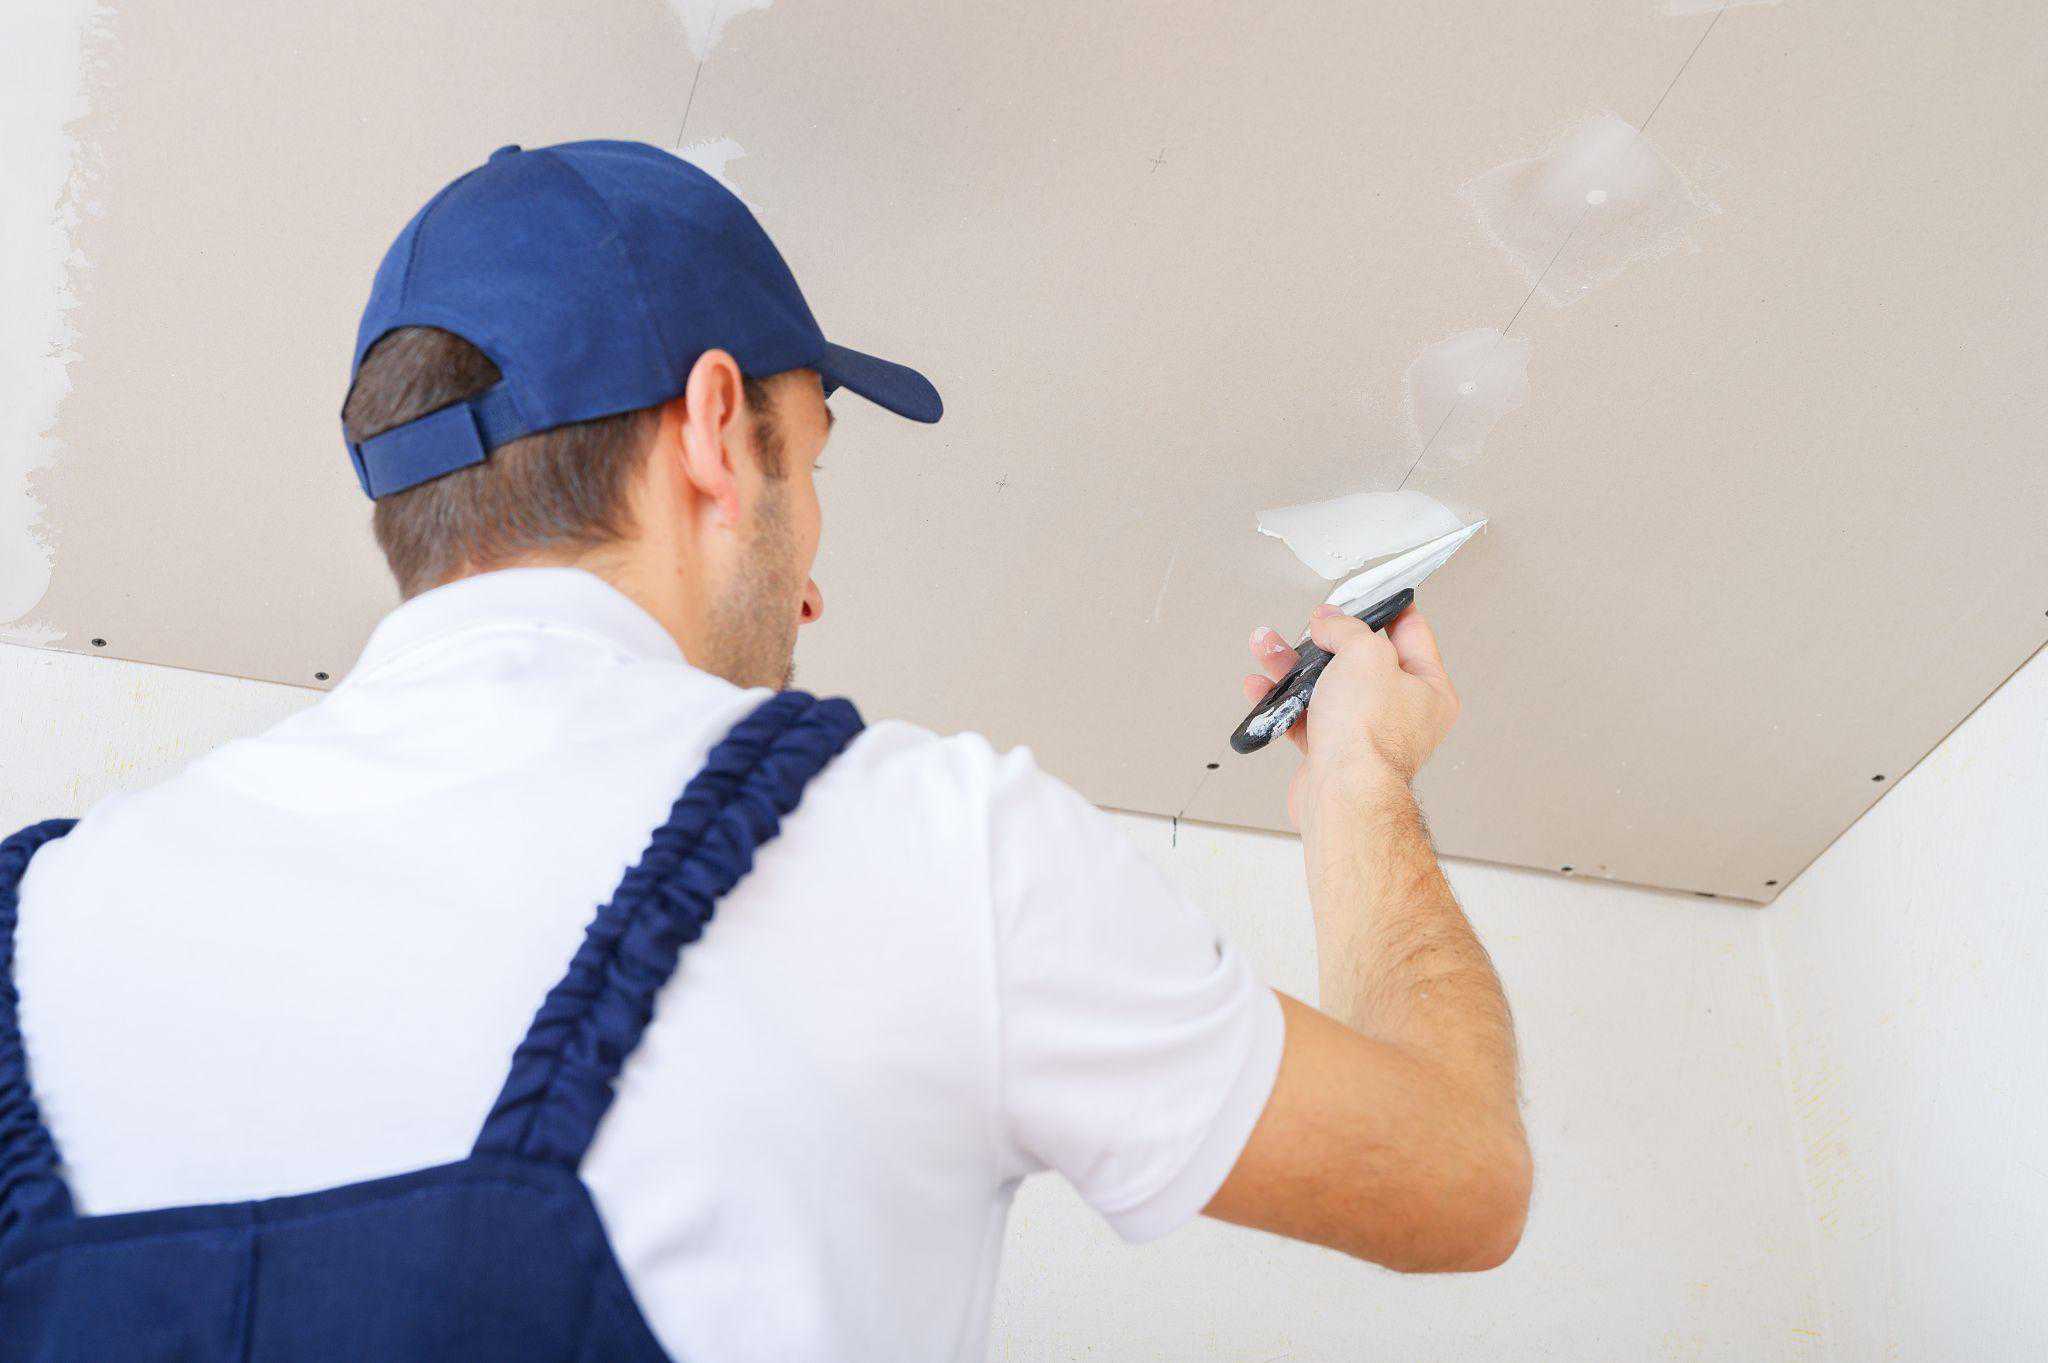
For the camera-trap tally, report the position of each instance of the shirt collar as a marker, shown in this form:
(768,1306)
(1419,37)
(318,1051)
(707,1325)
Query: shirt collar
(566,598)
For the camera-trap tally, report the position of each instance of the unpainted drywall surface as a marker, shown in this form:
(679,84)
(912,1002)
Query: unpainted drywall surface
(1667,1221)
(1170,265)
(249,164)
(1911,960)
(1599,199)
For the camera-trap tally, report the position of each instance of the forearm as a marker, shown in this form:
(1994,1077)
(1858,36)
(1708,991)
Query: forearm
(1398,960)
(1393,1131)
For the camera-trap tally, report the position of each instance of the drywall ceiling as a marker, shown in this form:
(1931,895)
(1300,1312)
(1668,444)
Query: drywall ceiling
(1765,525)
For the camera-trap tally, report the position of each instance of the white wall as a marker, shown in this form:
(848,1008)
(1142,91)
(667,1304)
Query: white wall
(1667,1220)
(1914,964)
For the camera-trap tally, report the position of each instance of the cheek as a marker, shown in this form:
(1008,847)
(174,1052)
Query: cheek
(811,525)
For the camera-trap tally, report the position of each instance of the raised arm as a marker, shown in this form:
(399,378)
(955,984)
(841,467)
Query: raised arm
(1393,1131)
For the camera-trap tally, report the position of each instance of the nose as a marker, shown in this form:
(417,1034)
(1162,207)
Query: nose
(813,603)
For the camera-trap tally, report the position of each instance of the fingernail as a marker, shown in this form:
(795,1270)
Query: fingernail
(1320,611)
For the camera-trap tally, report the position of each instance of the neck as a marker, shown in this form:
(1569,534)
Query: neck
(656,583)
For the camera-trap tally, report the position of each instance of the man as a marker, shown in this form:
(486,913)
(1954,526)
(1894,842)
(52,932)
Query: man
(589,403)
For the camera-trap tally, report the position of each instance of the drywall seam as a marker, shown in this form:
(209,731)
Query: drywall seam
(1457,390)
(704,21)
(1600,148)
(1599,199)
(48,183)
(1794,1133)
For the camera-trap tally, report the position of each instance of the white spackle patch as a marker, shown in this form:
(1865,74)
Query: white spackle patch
(704,21)
(1335,537)
(45,186)
(1457,389)
(712,158)
(1681,7)
(1599,200)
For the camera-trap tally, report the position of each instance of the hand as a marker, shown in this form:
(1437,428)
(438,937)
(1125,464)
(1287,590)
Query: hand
(1382,705)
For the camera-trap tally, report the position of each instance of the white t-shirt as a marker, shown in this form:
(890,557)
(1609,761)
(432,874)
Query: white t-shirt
(305,960)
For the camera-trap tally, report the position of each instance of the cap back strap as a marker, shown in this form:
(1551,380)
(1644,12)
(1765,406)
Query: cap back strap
(442,441)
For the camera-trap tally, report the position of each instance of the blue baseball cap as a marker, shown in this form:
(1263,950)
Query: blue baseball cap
(593,274)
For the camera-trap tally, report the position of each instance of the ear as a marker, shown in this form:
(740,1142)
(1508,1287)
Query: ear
(712,419)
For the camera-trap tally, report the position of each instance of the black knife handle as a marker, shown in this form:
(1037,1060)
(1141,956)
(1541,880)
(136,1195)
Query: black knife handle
(1296,688)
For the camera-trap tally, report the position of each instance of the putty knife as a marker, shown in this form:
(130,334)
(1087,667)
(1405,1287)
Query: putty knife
(1377,596)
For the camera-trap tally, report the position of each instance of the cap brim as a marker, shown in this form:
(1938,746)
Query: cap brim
(896,387)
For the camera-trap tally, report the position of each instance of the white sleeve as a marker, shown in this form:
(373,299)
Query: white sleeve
(1137,1048)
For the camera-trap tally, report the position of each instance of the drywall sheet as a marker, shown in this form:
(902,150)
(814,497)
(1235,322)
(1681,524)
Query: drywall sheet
(1765,486)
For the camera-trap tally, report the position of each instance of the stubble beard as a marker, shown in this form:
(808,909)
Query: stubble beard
(754,622)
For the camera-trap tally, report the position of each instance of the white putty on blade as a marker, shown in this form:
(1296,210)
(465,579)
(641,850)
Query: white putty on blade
(1410,569)
(1457,389)
(1335,537)
(704,21)
(1599,200)
(712,157)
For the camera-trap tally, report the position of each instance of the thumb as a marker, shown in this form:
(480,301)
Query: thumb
(1415,645)
(1334,631)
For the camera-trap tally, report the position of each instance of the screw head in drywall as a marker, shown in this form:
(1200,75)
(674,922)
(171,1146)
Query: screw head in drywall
(319,676)
(99,643)
(1877,778)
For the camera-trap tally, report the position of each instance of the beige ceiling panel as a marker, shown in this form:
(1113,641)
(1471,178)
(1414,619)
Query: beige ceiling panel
(1765,526)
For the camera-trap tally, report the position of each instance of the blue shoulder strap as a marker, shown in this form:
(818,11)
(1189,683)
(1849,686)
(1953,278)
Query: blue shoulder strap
(31,1189)
(562,1073)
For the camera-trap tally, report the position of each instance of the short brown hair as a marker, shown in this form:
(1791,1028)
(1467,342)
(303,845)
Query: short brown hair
(563,489)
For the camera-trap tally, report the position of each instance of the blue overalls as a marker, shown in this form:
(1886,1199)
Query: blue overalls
(499,1256)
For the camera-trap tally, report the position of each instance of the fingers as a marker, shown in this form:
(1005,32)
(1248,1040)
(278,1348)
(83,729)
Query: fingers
(1335,631)
(1415,644)
(1272,653)
(1255,689)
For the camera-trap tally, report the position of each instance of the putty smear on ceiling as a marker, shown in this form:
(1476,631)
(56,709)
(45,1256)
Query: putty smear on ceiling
(1458,389)
(1600,199)
(712,157)
(46,194)
(704,21)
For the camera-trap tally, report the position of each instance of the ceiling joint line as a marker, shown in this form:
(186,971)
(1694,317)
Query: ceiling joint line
(1556,255)
(683,131)
(1644,126)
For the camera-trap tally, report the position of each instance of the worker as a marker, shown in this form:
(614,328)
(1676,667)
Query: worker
(563,985)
